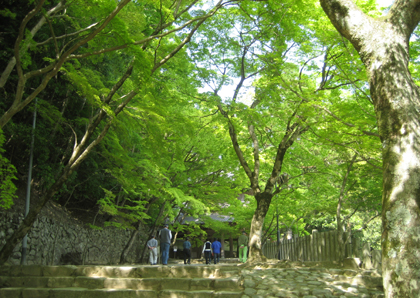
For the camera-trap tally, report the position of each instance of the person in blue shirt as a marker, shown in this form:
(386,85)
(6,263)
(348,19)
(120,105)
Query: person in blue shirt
(187,250)
(216,246)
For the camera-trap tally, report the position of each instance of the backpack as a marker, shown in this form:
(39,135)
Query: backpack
(208,245)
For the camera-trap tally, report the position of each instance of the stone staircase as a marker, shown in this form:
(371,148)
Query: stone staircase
(170,281)
(176,280)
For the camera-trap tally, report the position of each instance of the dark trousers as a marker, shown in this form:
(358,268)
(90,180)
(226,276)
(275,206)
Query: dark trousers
(187,255)
(216,257)
(207,255)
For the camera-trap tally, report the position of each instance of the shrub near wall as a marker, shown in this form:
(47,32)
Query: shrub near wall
(51,242)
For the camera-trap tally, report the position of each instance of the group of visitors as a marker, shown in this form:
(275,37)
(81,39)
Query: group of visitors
(165,236)
(211,250)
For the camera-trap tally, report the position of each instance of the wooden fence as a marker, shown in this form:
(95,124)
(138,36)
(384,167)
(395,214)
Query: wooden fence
(321,247)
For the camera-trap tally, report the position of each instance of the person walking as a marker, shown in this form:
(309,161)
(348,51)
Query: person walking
(216,246)
(165,237)
(243,247)
(207,251)
(187,250)
(152,245)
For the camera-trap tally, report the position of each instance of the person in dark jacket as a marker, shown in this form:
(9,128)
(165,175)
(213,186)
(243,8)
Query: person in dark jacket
(187,250)
(207,251)
(165,237)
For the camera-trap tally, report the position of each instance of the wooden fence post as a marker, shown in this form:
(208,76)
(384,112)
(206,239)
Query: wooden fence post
(308,248)
(327,246)
(324,247)
(311,248)
(296,242)
(345,252)
(334,240)
(316,245)
(300,247)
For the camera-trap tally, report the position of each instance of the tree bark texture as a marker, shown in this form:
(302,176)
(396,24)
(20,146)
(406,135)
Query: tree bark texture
(129,244)
(383,47)
(257,223)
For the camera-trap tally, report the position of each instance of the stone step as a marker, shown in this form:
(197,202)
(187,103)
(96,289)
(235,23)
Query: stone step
(367,281)
(319,276)
(183,281)
(203,261)
(187,271)
(111,293)
(187,284)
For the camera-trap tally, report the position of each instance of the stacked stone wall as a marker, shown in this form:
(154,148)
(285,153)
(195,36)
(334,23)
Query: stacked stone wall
(54,242)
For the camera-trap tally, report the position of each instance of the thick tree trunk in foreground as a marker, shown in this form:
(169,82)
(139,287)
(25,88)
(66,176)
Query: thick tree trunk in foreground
(383,48)
(257,223)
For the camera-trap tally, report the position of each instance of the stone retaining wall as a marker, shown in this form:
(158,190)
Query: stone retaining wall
(51,242)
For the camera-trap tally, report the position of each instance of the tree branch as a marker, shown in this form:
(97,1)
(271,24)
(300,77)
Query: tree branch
(368,133)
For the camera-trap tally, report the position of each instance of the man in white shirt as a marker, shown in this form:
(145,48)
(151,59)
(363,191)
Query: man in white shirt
(152,245)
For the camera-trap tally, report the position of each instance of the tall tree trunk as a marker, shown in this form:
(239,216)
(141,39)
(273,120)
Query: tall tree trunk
(181,214)
(340,226)
(129,245)
(264,197)
(383,48)
(257,223)
(134,234)
(152,230)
